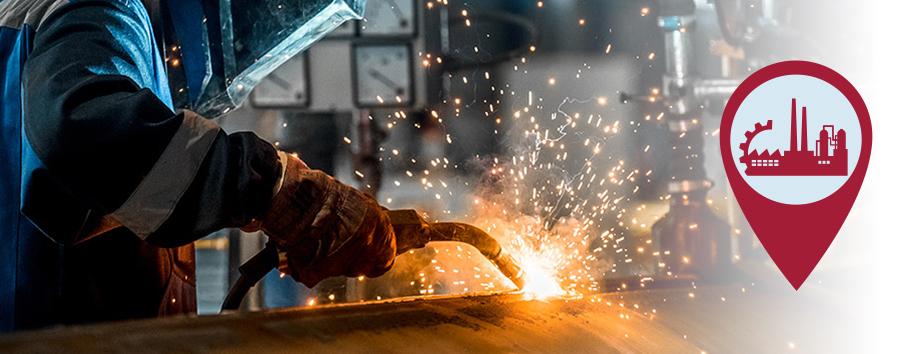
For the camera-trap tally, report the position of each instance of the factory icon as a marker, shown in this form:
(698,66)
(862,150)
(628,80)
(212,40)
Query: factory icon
(828,159)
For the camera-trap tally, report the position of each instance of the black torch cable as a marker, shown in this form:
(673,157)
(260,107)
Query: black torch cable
(250,273)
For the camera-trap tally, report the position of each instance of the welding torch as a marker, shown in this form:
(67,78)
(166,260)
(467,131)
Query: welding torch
(412,232)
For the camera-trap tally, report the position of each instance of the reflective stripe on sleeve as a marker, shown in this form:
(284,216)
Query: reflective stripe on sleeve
(14,14)
(158,193)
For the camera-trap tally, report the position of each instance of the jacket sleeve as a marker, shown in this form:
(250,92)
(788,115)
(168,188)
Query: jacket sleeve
(91,117)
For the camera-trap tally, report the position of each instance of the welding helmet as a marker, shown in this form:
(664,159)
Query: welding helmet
(218,50)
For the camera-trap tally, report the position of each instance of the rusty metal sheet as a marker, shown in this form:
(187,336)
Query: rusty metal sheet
(685,320)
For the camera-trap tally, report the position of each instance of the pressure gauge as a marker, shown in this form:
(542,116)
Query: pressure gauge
(383,75)
(389,18)
(285,87)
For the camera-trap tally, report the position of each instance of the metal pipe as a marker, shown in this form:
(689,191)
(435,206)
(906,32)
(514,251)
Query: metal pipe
(678,78)
(678,52)
(704,249)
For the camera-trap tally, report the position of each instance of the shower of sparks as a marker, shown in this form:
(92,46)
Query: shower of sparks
(558,199)
(542,283)
(556,202)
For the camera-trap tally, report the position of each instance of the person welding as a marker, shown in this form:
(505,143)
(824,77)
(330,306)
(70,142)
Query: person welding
(106,180)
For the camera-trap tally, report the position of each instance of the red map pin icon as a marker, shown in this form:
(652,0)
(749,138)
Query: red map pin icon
(795,140)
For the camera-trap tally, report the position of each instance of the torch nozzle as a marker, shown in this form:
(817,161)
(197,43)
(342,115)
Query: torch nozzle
(511,269)
(412,232)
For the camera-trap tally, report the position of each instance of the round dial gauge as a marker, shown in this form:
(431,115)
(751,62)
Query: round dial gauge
(284,87)
(389,18)
(383,75)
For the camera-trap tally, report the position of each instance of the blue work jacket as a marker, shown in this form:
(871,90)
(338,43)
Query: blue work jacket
(103,186)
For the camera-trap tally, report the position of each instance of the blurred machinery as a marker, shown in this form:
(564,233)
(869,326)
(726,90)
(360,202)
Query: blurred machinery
(709,47)
(691,239)
(393,78)
(415,62)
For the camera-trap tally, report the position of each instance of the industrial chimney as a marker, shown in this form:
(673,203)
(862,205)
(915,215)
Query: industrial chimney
(804,131)
(792,138)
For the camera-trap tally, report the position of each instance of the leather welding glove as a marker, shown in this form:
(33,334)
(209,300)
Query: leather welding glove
(325,227)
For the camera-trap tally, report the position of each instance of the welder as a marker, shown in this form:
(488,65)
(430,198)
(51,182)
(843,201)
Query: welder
(106,180)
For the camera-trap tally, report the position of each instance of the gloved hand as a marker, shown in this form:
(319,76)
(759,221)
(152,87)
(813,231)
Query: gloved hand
(325,227)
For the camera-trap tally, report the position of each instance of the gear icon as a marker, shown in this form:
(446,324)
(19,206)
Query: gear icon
(758,128)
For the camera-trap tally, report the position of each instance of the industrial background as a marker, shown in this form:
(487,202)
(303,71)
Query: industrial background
(582,135)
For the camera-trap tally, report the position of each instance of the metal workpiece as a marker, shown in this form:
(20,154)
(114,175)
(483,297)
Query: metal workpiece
(675,320)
